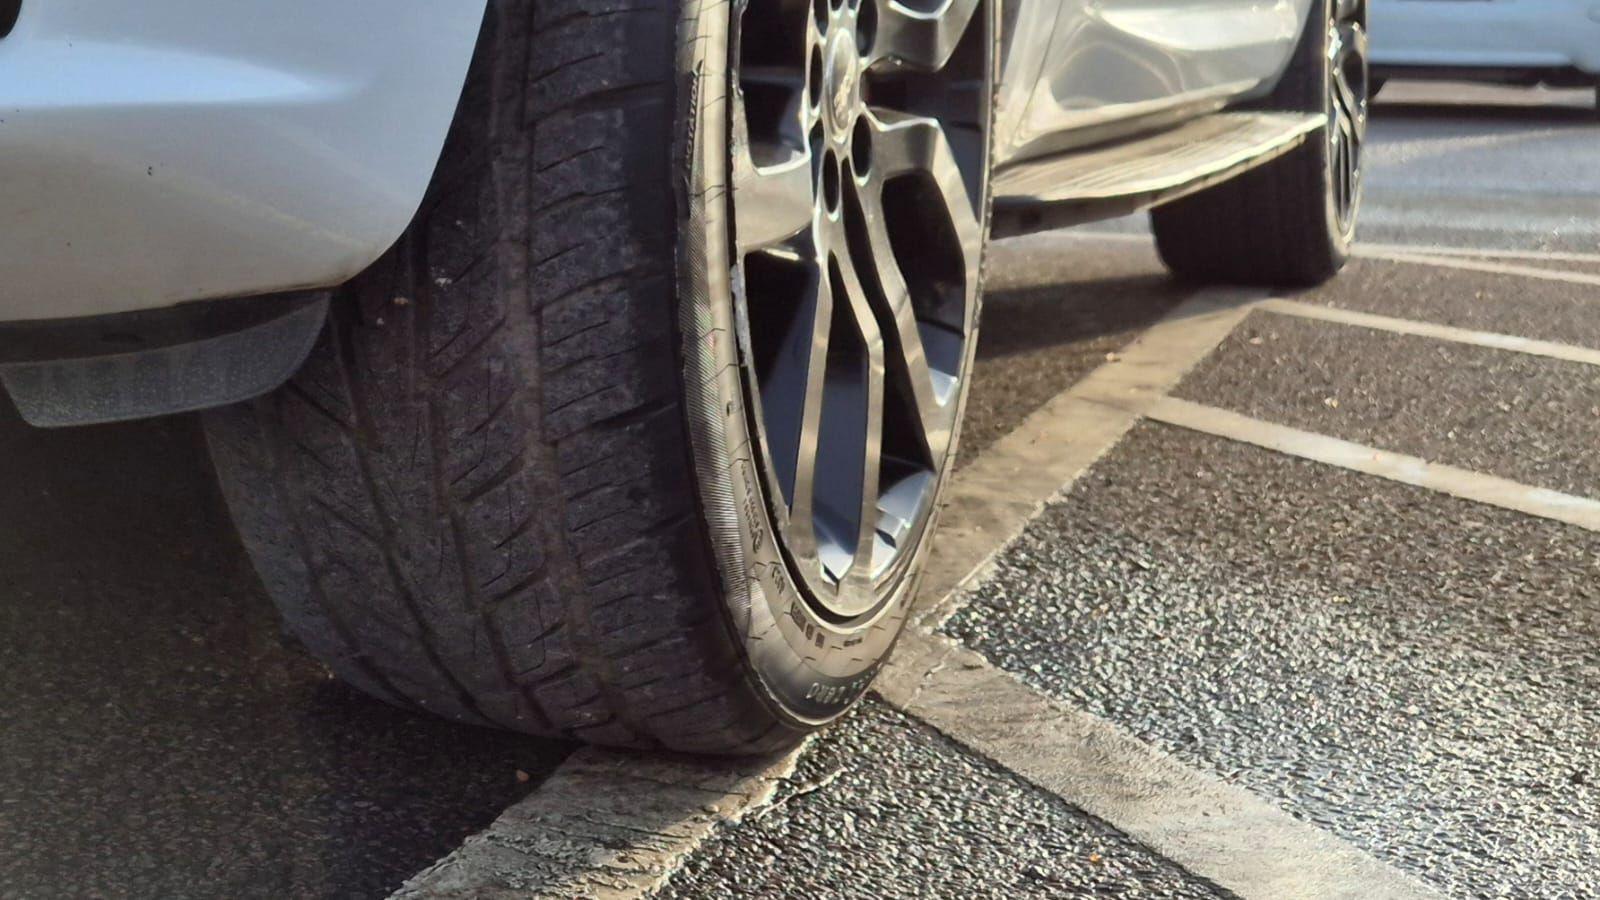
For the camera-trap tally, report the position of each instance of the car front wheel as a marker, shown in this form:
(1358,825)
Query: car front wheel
(637,436)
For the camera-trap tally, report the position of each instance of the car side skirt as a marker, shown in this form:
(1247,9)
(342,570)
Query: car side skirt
(1117,179)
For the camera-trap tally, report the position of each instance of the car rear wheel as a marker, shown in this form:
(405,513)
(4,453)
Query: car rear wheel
(638,434)
(1290,221)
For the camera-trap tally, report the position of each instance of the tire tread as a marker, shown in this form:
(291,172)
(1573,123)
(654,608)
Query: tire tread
(476,499)
(1268,226)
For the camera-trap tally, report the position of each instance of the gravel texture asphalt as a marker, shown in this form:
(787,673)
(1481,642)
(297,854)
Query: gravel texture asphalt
(882,806)
(1526,418)
(1504,304)
(158,737)
(1052,314)
(1415,673)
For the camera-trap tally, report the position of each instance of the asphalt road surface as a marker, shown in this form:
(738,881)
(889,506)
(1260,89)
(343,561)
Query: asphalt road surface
(1408,672)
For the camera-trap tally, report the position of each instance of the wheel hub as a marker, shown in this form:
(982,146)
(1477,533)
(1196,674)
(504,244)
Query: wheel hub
(842,84)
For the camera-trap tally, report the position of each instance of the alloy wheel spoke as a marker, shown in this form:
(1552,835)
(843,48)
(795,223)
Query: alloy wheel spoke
(1342,168)
(911,357)
(904,144)
(804,465)
(1353,38)
(1347,130)
(1352,172)
(1345,95)
(872,339)
(772,204)
(773,178)
(922,40)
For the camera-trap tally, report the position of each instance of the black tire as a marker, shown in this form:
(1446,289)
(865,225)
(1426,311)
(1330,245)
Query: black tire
(1281,223)
(502,489)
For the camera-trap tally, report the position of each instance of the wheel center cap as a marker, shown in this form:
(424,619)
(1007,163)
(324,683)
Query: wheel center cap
(843,81)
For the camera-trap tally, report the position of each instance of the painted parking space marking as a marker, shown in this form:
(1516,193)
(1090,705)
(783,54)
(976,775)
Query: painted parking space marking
(1462,483)
(606,824)
(1485,266)
(1530,346)
(1365,248)
(1214,830)
(1476,259)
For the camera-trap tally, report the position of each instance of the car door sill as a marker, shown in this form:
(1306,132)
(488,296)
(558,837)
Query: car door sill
(1125,177)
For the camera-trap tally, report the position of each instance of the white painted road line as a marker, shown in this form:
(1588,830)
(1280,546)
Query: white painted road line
(1550,349)
(1489,267)
(1215,830)
(1467,485)
(991,500)
(1141,237)
(1364,248)
(604,825)
(1479,259)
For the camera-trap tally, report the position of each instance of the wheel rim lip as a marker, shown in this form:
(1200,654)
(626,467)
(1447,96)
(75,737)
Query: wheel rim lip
(1348,61)
(873,593)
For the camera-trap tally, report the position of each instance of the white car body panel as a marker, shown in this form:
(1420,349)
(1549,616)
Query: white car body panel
(1515,34)
(1076,65)
(152,153)
(177,150)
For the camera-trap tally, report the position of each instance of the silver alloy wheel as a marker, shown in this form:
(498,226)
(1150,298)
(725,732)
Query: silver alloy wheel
(859,166)
(1347,109)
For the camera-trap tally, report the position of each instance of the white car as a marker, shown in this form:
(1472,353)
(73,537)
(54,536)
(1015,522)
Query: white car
(1527,42)
(605,358)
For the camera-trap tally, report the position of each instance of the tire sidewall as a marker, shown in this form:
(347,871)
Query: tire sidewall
(808,668)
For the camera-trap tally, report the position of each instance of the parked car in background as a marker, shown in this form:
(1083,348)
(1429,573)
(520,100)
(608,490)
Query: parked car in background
(593,367)
(1523,42)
